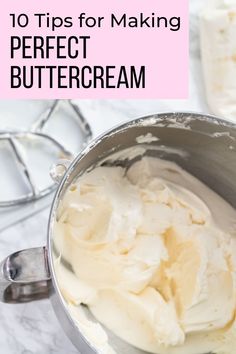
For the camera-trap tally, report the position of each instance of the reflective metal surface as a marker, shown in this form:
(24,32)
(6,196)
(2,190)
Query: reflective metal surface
(36,134)
(25,276)
(202,145)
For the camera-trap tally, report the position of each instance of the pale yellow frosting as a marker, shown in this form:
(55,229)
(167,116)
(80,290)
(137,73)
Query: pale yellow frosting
(153,253)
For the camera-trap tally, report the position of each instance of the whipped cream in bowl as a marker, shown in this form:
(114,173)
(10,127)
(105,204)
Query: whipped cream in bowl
(145,253)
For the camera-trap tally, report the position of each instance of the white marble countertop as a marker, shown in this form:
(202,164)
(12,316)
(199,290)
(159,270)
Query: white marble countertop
(33,327)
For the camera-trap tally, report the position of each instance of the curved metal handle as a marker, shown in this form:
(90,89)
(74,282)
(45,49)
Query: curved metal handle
(25,276)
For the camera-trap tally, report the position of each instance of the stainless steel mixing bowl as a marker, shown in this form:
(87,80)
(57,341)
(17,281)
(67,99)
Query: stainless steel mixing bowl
(201,144)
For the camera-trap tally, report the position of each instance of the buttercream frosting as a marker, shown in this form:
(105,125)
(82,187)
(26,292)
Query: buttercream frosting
(153,255)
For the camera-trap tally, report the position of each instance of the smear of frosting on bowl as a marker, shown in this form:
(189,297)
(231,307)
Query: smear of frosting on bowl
(146,139)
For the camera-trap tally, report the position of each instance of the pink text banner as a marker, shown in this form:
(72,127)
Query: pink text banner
(94,49)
